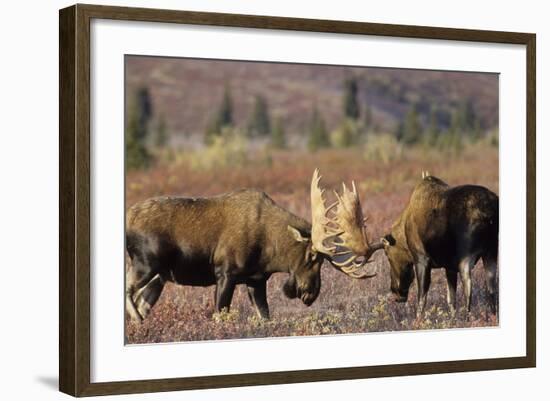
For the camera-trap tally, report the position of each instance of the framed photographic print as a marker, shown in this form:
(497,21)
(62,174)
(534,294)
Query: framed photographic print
(250,200)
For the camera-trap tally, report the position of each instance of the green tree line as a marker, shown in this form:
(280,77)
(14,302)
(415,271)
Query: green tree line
(423,125)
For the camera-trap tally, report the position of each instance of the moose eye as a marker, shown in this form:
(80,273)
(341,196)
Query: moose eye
(390,240)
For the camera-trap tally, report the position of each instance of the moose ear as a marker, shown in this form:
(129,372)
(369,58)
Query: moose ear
(297,234)
(388,240)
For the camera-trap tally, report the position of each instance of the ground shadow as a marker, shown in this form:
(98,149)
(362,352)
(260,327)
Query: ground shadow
(49,381)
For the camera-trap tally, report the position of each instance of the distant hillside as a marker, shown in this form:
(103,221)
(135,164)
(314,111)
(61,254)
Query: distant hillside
(187,92)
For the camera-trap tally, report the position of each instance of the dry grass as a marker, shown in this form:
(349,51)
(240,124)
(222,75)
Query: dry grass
(344,305)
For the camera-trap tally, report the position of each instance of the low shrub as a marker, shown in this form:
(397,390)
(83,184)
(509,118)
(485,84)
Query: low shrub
(227,150)
(383,148)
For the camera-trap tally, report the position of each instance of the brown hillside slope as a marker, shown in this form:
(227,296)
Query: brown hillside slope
(188,91)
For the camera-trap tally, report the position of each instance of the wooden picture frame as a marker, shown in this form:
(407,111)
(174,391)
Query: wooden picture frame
(75,207)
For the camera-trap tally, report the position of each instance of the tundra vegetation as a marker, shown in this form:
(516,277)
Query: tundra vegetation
(379,128)
(344,305)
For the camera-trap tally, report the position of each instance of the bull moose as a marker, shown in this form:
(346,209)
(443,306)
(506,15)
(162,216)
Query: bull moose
(241,237)
(449,227)
(441,227)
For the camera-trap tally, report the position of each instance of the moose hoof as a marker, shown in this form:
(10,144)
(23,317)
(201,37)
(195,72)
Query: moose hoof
(135,316)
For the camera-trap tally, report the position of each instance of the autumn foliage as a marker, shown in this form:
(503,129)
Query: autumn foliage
(344,305)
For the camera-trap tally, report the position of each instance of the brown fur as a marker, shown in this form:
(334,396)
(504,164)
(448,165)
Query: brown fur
(448,227)
(238,238)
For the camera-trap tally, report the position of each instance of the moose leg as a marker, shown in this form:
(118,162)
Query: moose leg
(490,266)
(423,279)
(257,293)
(147,296)
(464,268)
(452,277)
(225,286)
(130,306)
(136,278)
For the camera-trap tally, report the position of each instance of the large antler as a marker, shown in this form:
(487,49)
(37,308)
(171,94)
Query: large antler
(344,231)
(320,230)
(353,240)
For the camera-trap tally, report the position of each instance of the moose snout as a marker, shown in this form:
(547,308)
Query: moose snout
(308,298)
(307,295)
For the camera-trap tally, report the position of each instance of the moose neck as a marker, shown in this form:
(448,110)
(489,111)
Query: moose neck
(283,252)
(286,255)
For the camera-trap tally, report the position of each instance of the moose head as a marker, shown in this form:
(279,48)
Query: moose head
(337,236)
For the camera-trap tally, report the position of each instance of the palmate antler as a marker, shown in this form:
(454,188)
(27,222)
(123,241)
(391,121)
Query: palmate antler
(320,229)
(354,240)
(342,226)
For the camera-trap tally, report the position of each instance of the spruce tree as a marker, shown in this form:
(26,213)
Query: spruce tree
(259,122)
(466,116)
(225,114)
(476,133)
(399,132)
(144,111)
(455,134)
(161,137)
(278,137)
(222,118)
(137,156)
(351,104)
(318,136)
(432,135)
(412,130)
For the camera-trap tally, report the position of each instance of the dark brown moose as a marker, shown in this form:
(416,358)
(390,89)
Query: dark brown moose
(441,227)
(241,237)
